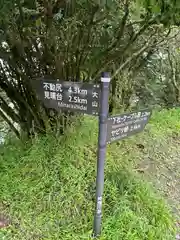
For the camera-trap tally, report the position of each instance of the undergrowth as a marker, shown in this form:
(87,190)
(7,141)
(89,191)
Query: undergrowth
(48,187)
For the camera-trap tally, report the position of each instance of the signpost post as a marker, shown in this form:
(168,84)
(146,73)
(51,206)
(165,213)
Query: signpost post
(103,115)
(92,99)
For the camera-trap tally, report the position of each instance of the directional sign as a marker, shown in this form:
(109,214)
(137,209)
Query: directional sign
(125,125)
(73,96)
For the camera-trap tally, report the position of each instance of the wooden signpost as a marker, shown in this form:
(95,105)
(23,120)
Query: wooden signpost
(92,99)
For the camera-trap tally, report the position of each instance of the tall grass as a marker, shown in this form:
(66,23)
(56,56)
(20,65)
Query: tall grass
(48,190)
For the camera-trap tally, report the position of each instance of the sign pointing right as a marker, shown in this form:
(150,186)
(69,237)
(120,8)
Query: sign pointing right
(126,125)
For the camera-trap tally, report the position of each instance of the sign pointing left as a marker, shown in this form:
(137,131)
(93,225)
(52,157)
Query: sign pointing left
(73,96)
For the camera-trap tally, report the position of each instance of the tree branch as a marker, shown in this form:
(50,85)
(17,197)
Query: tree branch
(6,119)
(121,27)
(134,55)
(8,110)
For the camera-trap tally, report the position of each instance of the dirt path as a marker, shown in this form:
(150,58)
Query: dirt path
(161,164)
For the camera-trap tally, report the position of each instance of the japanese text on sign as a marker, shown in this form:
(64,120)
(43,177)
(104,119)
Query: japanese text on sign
(73,96)
(126,125)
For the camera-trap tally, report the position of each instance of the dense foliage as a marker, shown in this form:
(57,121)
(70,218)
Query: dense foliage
(78,40)
(158,82)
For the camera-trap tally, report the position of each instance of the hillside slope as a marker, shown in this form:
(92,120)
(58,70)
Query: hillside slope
(48,187)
